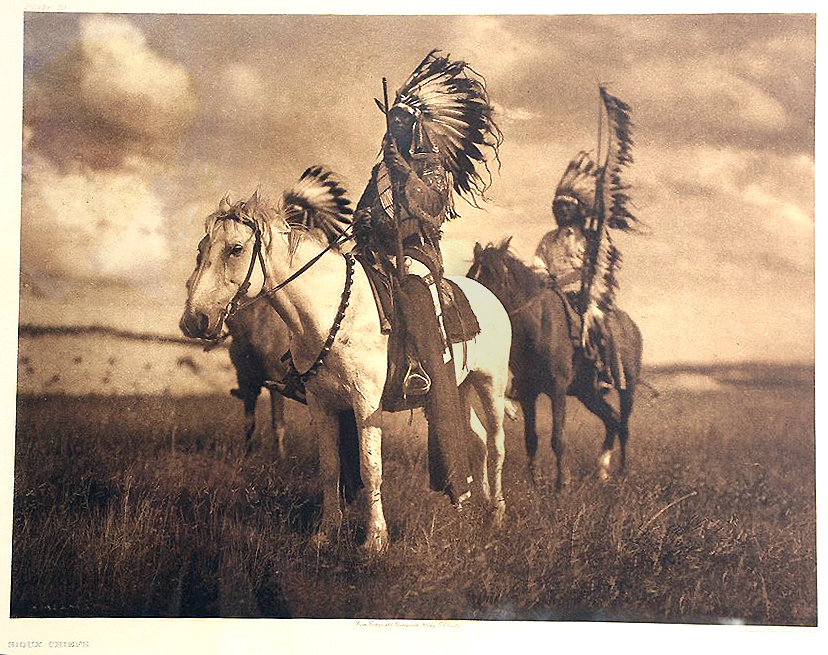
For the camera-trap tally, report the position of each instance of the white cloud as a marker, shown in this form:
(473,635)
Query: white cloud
(108,98)
(781,185)
(706,92)
(101,121)
(124,81)
(242,95)
(92,225)
(490,46)
(513,114)
(242,81)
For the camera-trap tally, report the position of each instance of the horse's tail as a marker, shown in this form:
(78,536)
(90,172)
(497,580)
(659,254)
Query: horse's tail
(319,201)
(349,473)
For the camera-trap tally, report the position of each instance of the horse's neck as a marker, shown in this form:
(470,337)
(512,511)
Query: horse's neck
(527,287)
(308,303)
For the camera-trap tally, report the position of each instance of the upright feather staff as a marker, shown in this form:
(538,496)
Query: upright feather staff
(610,210)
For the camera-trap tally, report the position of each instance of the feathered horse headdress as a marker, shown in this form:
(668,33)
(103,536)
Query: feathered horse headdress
(453,117)
(318,201)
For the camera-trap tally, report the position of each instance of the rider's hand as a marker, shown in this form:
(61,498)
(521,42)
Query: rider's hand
(394,159)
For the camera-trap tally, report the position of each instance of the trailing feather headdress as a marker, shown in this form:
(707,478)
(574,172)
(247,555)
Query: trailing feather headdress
(318,201)
(453,117)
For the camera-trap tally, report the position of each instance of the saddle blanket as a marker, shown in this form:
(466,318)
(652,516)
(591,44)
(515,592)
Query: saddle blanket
(458,317)
(459,321)
(575,320)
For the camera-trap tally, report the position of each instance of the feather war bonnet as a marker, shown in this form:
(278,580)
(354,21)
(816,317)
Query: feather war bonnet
(453,117)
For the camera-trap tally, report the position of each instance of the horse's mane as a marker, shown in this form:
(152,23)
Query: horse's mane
(262,213)
(521,279)
(316,207)
(256,210)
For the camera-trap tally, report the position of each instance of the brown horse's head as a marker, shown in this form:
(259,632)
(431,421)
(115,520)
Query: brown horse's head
(498,269)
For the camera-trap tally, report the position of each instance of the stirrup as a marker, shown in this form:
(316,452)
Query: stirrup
(416,381)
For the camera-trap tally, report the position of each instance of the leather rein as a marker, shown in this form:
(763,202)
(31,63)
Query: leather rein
(239,301)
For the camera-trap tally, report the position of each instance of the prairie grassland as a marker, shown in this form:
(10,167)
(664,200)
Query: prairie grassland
(145,507)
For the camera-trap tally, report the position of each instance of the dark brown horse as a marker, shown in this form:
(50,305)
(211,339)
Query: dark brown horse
(260,338)
(545,358)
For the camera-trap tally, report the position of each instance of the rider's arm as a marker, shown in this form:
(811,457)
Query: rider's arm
(426,194)
(424,186)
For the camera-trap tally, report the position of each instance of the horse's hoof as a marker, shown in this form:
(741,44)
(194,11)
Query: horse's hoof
(498,514)
(375,544)
(459,504)
(604,461)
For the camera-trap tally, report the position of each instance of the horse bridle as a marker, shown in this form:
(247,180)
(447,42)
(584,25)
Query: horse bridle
(235,302)
(238,301)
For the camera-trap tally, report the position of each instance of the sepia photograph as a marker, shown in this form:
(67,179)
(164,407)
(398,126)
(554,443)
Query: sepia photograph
(411,329)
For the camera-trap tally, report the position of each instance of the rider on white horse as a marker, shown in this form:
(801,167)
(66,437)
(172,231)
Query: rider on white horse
(439,120)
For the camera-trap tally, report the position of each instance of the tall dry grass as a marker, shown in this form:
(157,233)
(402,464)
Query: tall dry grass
(146,507)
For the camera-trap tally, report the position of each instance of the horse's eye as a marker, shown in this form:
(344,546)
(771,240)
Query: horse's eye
(236,249)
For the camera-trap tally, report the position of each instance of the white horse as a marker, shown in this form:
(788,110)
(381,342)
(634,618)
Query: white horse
(326,301)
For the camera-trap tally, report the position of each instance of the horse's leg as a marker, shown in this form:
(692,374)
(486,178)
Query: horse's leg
(326,426)
(510,408)
(530,432)
(249,396)
(626,404)
(370,464)
(277,421)
(610,418)
(477,447)
(558,398)
(494,439)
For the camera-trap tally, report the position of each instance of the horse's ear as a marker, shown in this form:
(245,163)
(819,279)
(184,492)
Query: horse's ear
(478,249)
(224,204)
(254,199)
(506,243)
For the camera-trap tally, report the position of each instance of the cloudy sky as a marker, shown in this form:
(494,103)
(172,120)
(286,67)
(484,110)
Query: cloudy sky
(135,125)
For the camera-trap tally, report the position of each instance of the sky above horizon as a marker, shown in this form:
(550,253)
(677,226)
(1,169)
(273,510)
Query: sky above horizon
(135,126)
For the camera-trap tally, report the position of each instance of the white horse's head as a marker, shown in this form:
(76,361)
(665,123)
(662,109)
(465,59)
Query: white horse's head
(246,241)
(230,263)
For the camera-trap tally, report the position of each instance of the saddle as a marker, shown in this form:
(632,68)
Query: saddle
(573,317)
(459,321)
